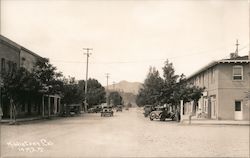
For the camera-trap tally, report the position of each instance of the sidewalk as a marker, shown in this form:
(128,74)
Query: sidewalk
(215,122)
(6,121)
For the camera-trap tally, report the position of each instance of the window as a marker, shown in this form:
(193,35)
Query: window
(237,105)
(237,73)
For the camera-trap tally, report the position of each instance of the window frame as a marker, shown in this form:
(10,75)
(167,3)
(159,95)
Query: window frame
(242,73)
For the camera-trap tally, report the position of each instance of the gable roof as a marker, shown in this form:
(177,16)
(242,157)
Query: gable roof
(238,60)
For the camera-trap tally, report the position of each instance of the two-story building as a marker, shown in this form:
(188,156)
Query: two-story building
(14,56)
(226,94)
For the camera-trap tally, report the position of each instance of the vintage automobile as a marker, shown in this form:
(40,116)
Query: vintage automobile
(71,110)
(119,108)
(147,110)
(94,109)
(107,111)
(161,113)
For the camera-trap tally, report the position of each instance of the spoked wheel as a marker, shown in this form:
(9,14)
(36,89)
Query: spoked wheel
(151,117)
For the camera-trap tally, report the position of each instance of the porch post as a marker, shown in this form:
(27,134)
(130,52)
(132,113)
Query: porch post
(55,105)
(59,105)
(181,110)
(43,106)
(49,105)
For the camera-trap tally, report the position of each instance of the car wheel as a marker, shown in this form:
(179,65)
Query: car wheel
(151,117)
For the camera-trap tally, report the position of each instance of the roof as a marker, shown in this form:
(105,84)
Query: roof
(240,60)
(17,46)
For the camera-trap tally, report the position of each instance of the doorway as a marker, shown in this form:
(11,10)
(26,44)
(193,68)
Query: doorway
(238,111)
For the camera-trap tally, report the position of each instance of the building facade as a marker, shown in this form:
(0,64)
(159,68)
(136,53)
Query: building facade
(226,94)
(14,56)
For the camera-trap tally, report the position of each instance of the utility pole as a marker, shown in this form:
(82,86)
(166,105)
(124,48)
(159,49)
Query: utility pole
(86,82)
(107,75)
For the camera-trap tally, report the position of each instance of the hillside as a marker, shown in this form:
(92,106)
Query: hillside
(125,86)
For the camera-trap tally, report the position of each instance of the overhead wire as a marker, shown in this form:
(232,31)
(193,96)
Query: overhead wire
(140,61)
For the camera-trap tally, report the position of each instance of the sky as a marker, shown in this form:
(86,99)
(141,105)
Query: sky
(127,37)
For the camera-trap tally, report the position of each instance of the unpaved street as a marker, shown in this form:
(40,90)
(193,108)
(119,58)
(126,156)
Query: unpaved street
(127,134)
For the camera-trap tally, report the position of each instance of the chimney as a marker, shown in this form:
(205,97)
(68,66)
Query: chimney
(233,55)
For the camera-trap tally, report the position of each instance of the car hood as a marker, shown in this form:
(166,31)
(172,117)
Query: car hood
(156,112)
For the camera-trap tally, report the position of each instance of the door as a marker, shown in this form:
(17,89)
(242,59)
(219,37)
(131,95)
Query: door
(238,111)
(213,108)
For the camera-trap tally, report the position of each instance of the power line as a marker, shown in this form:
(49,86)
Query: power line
(143,61)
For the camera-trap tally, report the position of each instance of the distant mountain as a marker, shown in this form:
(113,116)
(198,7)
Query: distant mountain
(127,87)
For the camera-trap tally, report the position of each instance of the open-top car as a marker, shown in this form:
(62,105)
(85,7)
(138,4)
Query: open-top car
(161,113)
(107,111)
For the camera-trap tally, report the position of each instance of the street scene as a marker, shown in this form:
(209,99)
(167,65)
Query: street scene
(126,134)
(138,78)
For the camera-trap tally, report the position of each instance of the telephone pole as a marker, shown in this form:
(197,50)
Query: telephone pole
(107,75)
(86,82)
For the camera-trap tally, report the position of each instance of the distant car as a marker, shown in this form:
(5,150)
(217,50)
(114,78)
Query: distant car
(161,113)
(119,108)
(95,109)
(107,111)
(91,110)
(71,110)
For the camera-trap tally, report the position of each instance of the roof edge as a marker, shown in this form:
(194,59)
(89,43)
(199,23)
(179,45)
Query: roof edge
(18,46)
(214,63)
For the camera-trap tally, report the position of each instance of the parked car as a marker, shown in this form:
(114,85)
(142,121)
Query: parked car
(71,110)
(94,109)
(119,108)
(107,111)
(91,110)
(147,110)
(161,113)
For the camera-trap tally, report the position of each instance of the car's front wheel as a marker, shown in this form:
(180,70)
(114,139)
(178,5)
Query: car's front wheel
(152,116)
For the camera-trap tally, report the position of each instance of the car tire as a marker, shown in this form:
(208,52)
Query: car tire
(151,117)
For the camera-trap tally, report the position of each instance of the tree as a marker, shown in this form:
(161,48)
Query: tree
(176,87)
(48,77)
(150,93)
(24,87)
(20,87)
(167,90)
(96,92)
(115,98)
(71,92)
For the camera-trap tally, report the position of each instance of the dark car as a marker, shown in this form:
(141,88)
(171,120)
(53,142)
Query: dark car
(71,110)
(161,113)
(107,111)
